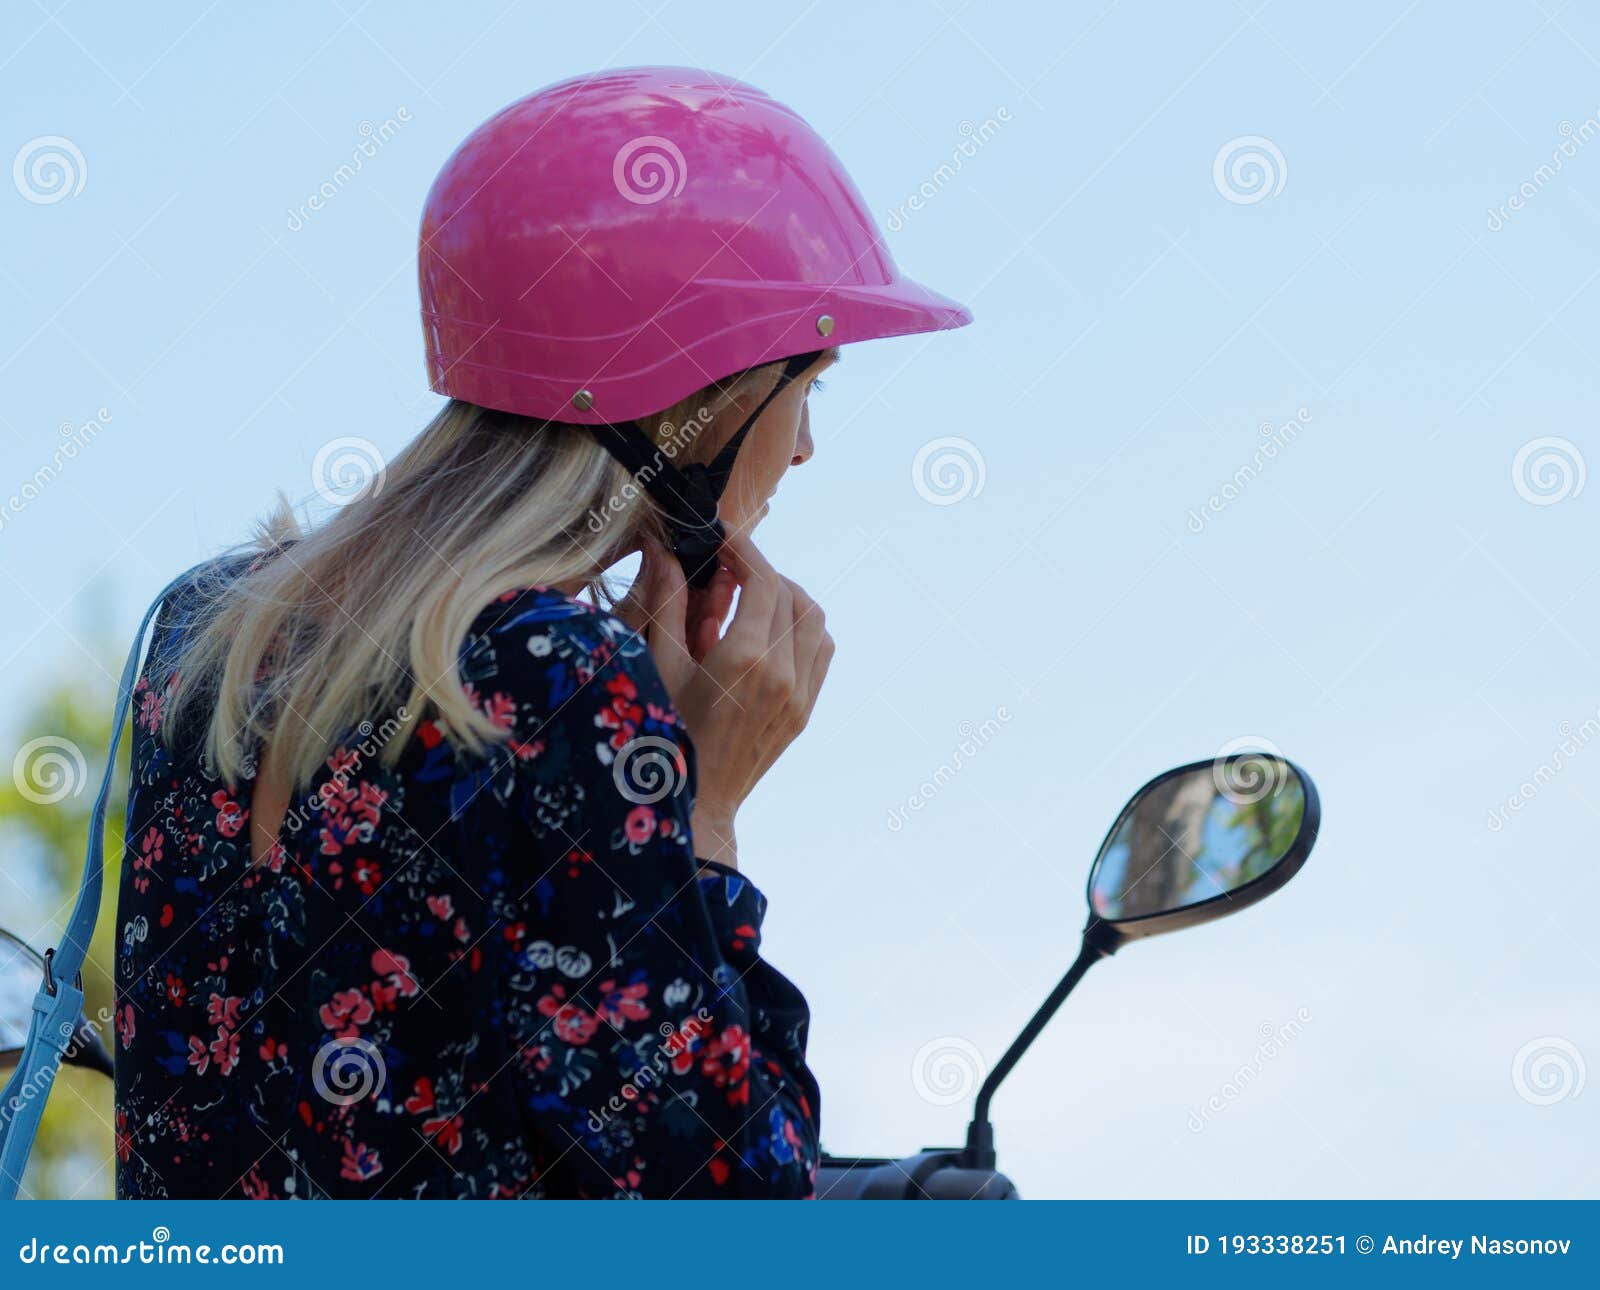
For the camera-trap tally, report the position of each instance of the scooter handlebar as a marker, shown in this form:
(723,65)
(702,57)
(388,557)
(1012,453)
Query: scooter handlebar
(933,1174)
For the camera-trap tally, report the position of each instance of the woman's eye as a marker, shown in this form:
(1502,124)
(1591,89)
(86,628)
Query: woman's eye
(816,385)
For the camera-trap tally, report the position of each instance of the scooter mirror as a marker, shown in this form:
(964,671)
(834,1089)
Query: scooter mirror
(1200,842)
(1197,843)
(22,970)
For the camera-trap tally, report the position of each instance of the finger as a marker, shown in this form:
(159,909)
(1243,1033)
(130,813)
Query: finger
(667,605)
(719,595)
(708,610)
(741,555)
(764,657)
(703,639)
(793,653)
(820,664)
(809,626)
(762,591)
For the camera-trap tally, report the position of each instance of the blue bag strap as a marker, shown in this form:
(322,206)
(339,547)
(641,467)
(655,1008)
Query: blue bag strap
(59,1003)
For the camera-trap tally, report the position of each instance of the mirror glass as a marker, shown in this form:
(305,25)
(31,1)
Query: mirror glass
(21,973)
(21,970)
(1198,834)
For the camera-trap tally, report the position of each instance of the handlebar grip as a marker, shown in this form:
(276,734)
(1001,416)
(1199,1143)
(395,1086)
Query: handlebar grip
(935,1174)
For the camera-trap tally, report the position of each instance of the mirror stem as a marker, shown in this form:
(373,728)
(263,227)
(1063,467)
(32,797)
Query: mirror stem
(979,1153)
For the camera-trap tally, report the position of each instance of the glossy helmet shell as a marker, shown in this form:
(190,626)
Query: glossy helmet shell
(609,245)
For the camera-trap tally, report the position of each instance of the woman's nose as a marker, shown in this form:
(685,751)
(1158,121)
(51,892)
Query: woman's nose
(803,447)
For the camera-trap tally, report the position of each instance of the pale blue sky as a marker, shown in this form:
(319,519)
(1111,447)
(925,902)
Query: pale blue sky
(1382,602)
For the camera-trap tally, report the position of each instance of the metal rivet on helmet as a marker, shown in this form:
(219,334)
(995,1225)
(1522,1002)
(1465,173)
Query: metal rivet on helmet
(583,400)
(825,325)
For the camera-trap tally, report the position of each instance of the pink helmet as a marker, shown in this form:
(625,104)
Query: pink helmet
(607,246)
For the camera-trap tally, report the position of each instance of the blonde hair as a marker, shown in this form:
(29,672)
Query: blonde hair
(363,617)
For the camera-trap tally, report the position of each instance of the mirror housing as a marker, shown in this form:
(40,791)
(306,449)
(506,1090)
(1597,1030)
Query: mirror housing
(22,971)
(1259,874)
(1249,781)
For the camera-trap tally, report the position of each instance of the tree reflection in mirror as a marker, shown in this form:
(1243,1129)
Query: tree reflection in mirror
(1198,835)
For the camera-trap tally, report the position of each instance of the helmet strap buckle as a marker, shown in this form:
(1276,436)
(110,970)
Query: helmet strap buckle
(688,494)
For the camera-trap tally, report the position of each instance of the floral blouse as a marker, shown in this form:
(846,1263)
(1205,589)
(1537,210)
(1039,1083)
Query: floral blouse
(497,976)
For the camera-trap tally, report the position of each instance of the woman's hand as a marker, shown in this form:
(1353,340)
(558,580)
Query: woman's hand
(743,696)
(706,608)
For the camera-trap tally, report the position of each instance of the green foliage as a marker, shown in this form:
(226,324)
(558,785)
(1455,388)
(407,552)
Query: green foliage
(43,847)
(1274,823)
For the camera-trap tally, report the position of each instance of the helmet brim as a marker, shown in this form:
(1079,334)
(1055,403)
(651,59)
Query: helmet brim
(711,328)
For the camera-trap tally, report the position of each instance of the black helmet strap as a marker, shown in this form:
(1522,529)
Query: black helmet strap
(688,495)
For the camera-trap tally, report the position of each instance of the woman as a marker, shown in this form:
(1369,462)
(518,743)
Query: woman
(432,885)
